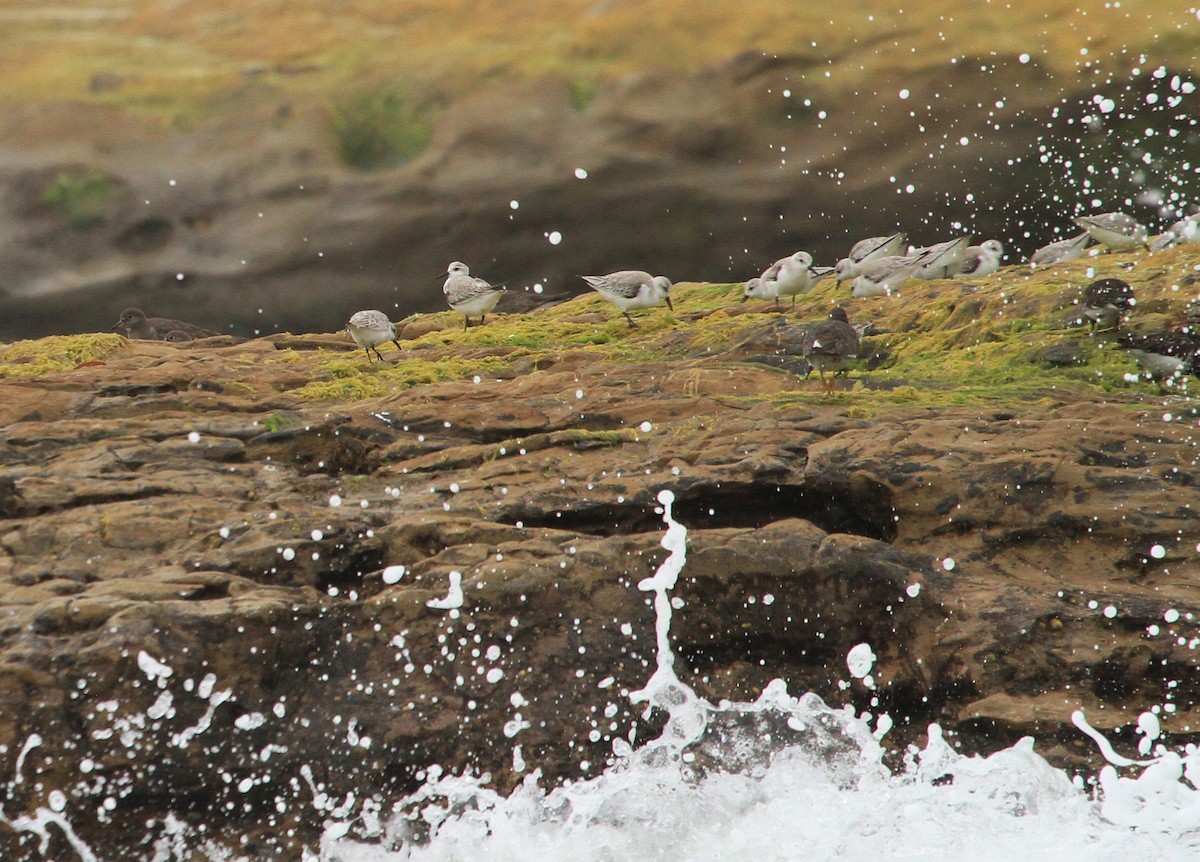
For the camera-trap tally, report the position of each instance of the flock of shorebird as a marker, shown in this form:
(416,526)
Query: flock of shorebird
(876,266)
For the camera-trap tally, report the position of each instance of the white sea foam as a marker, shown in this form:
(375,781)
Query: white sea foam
(788,778)
(783,778)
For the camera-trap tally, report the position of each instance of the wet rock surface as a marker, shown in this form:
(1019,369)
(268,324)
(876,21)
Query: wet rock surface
(202,605)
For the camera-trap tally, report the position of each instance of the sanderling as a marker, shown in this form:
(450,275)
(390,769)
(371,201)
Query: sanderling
(1115,230)
(756,288)
(830,346)
(469,295)
(137,325)
(1061,251)
(632,288)
(1105,300)
(867,250)
(789,276)
(1186,230)
(1164,355)
(982,259)
(370,329)
(942,259)
(881,277)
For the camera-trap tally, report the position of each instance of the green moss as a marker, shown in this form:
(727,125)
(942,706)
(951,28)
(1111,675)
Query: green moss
(354,380)
(381,128)
(56,353)
(82,198)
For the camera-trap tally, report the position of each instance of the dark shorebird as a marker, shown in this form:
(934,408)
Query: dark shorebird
(632,288)
(135,324)
(469,295)
(1105,301)
(371,328)
(830,346)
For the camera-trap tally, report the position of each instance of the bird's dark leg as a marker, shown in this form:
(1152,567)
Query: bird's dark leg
(377,353)
(632,325)
(482,318)
(466,321)
(367,350)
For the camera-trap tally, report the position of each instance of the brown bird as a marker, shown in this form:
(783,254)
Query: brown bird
(1105,301)
(830,346)
(135,324)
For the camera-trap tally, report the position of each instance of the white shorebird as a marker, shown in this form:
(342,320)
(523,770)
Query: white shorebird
(468,295)
(789,276)
(982,259)
(371,328)
(1115,230)
(867,250)
(632,288)
(881,277)
(756,288)
(942,259)
(1061,251)
(1186,230)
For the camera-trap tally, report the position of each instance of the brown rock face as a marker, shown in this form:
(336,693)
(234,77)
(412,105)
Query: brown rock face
(203,613)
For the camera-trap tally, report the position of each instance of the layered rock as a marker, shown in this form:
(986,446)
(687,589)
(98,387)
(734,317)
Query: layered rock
(218,571)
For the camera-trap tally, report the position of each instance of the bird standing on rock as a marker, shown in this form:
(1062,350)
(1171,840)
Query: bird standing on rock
(469,295)
(1165,355)
(1115,231)
(789,276)
(982,259)
(632,288)
(135,324)
(1061,251)
(866,250)
(371,328)
(830,346)
(1104,301)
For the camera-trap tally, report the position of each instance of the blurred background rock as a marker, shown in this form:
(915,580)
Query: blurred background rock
(278,165)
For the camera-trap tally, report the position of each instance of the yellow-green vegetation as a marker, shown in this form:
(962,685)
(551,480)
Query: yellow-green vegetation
(179,60)
(354,379)
(82,198)
(380,128)
(980,341)
(57,353)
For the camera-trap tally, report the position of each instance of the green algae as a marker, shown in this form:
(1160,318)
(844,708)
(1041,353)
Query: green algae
(990,341)
(56,353)
(356,379)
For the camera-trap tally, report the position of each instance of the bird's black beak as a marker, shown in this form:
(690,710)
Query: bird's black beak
(668,299)
(745,297)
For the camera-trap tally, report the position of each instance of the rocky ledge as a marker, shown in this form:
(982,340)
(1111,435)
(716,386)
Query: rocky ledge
(226,566)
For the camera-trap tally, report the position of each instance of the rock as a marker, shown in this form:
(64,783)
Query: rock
(1008,553)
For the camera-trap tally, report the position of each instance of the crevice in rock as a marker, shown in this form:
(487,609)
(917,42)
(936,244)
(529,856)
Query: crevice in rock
(864,510)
